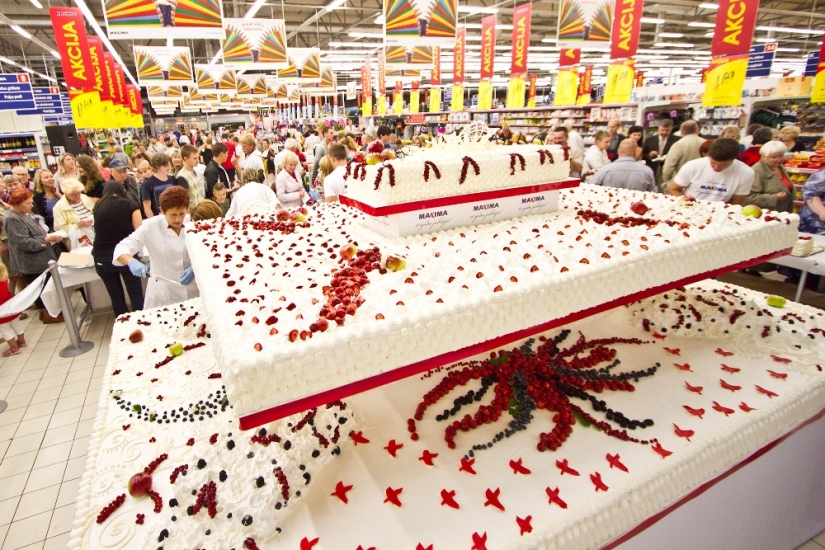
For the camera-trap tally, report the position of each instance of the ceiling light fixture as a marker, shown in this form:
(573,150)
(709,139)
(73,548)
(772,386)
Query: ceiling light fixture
(787,49)
(476,9)
(701,24)
(670,35)
(652,20)
(673,45)
(706,6)
(21,31)
(380,20)
(54,53)
(367,35)
(335,4)
(766,39)
(254,9)
(790,30)
(37,4)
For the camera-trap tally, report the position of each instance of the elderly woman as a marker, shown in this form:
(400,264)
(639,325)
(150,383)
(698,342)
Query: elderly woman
(74,215)
(252,191)
(116,216)
(16,281)
(66,168)
(788,135)
(772,188)
(288,186)
(10,182)
(30,246)
(90,176)
(46,196)
(172,277)
(290,146)
(812,214)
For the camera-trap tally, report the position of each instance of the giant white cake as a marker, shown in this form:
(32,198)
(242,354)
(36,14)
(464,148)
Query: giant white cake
(698,406)
(452,170)
(296,318)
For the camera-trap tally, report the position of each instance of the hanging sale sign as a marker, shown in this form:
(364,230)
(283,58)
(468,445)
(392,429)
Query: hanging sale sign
(619,85)
(735,22)
(818,89)
(567,85)
(724,81)
(398,98)
(488,54)
(518,63)
(366,88)
(415,98)
(583,22)
(627,26)
(382,85)
(585,85)
(258,44)
(531,91)
(569,57)
(72,45)
(435,82)
(459,53)
(85,108)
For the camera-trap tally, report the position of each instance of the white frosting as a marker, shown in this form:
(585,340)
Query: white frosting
(619,261)
(116,454)
(494,165)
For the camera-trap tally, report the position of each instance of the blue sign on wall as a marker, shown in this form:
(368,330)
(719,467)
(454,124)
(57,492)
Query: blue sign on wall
(47,102)
(16,92)
(811,63)
(760,60)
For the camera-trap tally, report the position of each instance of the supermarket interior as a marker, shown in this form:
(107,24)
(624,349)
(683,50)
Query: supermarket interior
(412,274)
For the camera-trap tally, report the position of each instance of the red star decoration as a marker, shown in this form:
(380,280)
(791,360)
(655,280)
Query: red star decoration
(422,547)
(479,541)
(695,412)
(341,491)
(673,351)
(426,457)
(694,389)
(615,462)
(392,496)
(307,544)
(661,450)
(728,386)
(524,524)
(780,375)
(362,548)
(518,468)
(358,438)
(467,466)
(684,367)
(778,359)
(448,499)
(723,353)
(565,468)
(492,498)
(596,478)
(392,447)
(659,336)
(553,495)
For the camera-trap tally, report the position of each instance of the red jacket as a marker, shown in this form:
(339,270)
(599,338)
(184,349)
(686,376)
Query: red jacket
(750,156)
(5,296)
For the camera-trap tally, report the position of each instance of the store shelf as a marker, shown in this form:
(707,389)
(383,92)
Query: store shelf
(24,150)
(795,170)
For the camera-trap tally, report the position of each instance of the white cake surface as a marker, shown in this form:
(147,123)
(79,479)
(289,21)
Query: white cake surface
(803,247)
(499,167)
(713,403)
(460,287)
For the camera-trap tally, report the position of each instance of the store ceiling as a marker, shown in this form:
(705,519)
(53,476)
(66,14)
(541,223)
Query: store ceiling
(309,24)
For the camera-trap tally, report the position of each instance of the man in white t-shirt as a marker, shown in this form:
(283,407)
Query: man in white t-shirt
(251,158)
(717,177)
(334,183)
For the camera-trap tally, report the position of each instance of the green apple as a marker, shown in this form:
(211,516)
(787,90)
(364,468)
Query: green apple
(752,211)
(176,349)
(776,301)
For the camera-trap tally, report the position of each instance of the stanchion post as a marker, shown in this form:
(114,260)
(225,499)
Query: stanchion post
(78,346)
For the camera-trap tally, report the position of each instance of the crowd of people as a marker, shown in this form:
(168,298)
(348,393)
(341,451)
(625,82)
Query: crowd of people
(126,205)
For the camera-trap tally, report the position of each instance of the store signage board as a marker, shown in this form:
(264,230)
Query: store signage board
(725,80)
(16,92)
(60,120)
(517,86)
(818,86)
(811,63)
(584,23)
(130,20)
(258,44)
(760,60)
(47,102)
(420,22)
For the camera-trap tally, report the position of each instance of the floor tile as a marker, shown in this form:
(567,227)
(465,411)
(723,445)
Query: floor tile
(27,531)
(60,542)
(45,477)
(59,435)
(13,486)
(7,509)
(4,446)
(70,402)
(65,418)
(23,388)
(34,425)
(810,545)
(3,530)
(25,444)
(13,416)
(85,428)
(7,432)
(45,395)
(80,447)
(51,381)
(84,375)
(54,454)
(35,546)
(37,502)
(75,468)
(73,389)
(40,409)
(17,464)
(30,376)
(68,492)
(62,520)
(820,539)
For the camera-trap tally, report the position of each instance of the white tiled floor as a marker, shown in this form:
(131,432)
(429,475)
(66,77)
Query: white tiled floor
(44,434)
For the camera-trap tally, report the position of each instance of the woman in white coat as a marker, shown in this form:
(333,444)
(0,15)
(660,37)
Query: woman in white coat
(288,187)
(164,238)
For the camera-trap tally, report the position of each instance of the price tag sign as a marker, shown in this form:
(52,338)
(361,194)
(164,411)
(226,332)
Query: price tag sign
(457,100)
(566,87)
(86,109)
(515,92)
(619,82)
(435,99)
(725,80)
(485,94)
(818,89)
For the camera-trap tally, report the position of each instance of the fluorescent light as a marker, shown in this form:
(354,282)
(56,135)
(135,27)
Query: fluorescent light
(787,49)
(790,30)
(335,44)
(335,4)
(709,6)
(21,31)
(765,39)
(701,24)
(54,53)
(549,40)
(379,20)
(476,9)
(254,9)
(673,45)
(670,35)
(653,20)
(367,35)
(37,4)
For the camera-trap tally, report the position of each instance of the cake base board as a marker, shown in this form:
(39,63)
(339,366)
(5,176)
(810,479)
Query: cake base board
(254,420)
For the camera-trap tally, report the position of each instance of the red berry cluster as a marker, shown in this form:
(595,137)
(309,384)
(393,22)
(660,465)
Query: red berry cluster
(265,440)
(189,319)
(165,361)
(189,347)
(202,331)
(249,544)
(545,154)
(207,496)
(110,508)
(321,439)
(140,518)
(177,471)
(283,482)
(566,149)
(737,313)
(157,500)
(307,417)
(430,164)
(466,163)
(391,169)
(513,157)
(625,221)
(150,469)
(214,375)
(343,294)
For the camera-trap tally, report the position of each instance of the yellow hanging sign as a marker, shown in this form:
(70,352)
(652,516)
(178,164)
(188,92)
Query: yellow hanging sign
(382,104)
(567,85)
(415,101)
(435,100)
(485,94)
(86,109)
(457,103)
(366,107)
(515,91)
(620,75)
(725,81)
